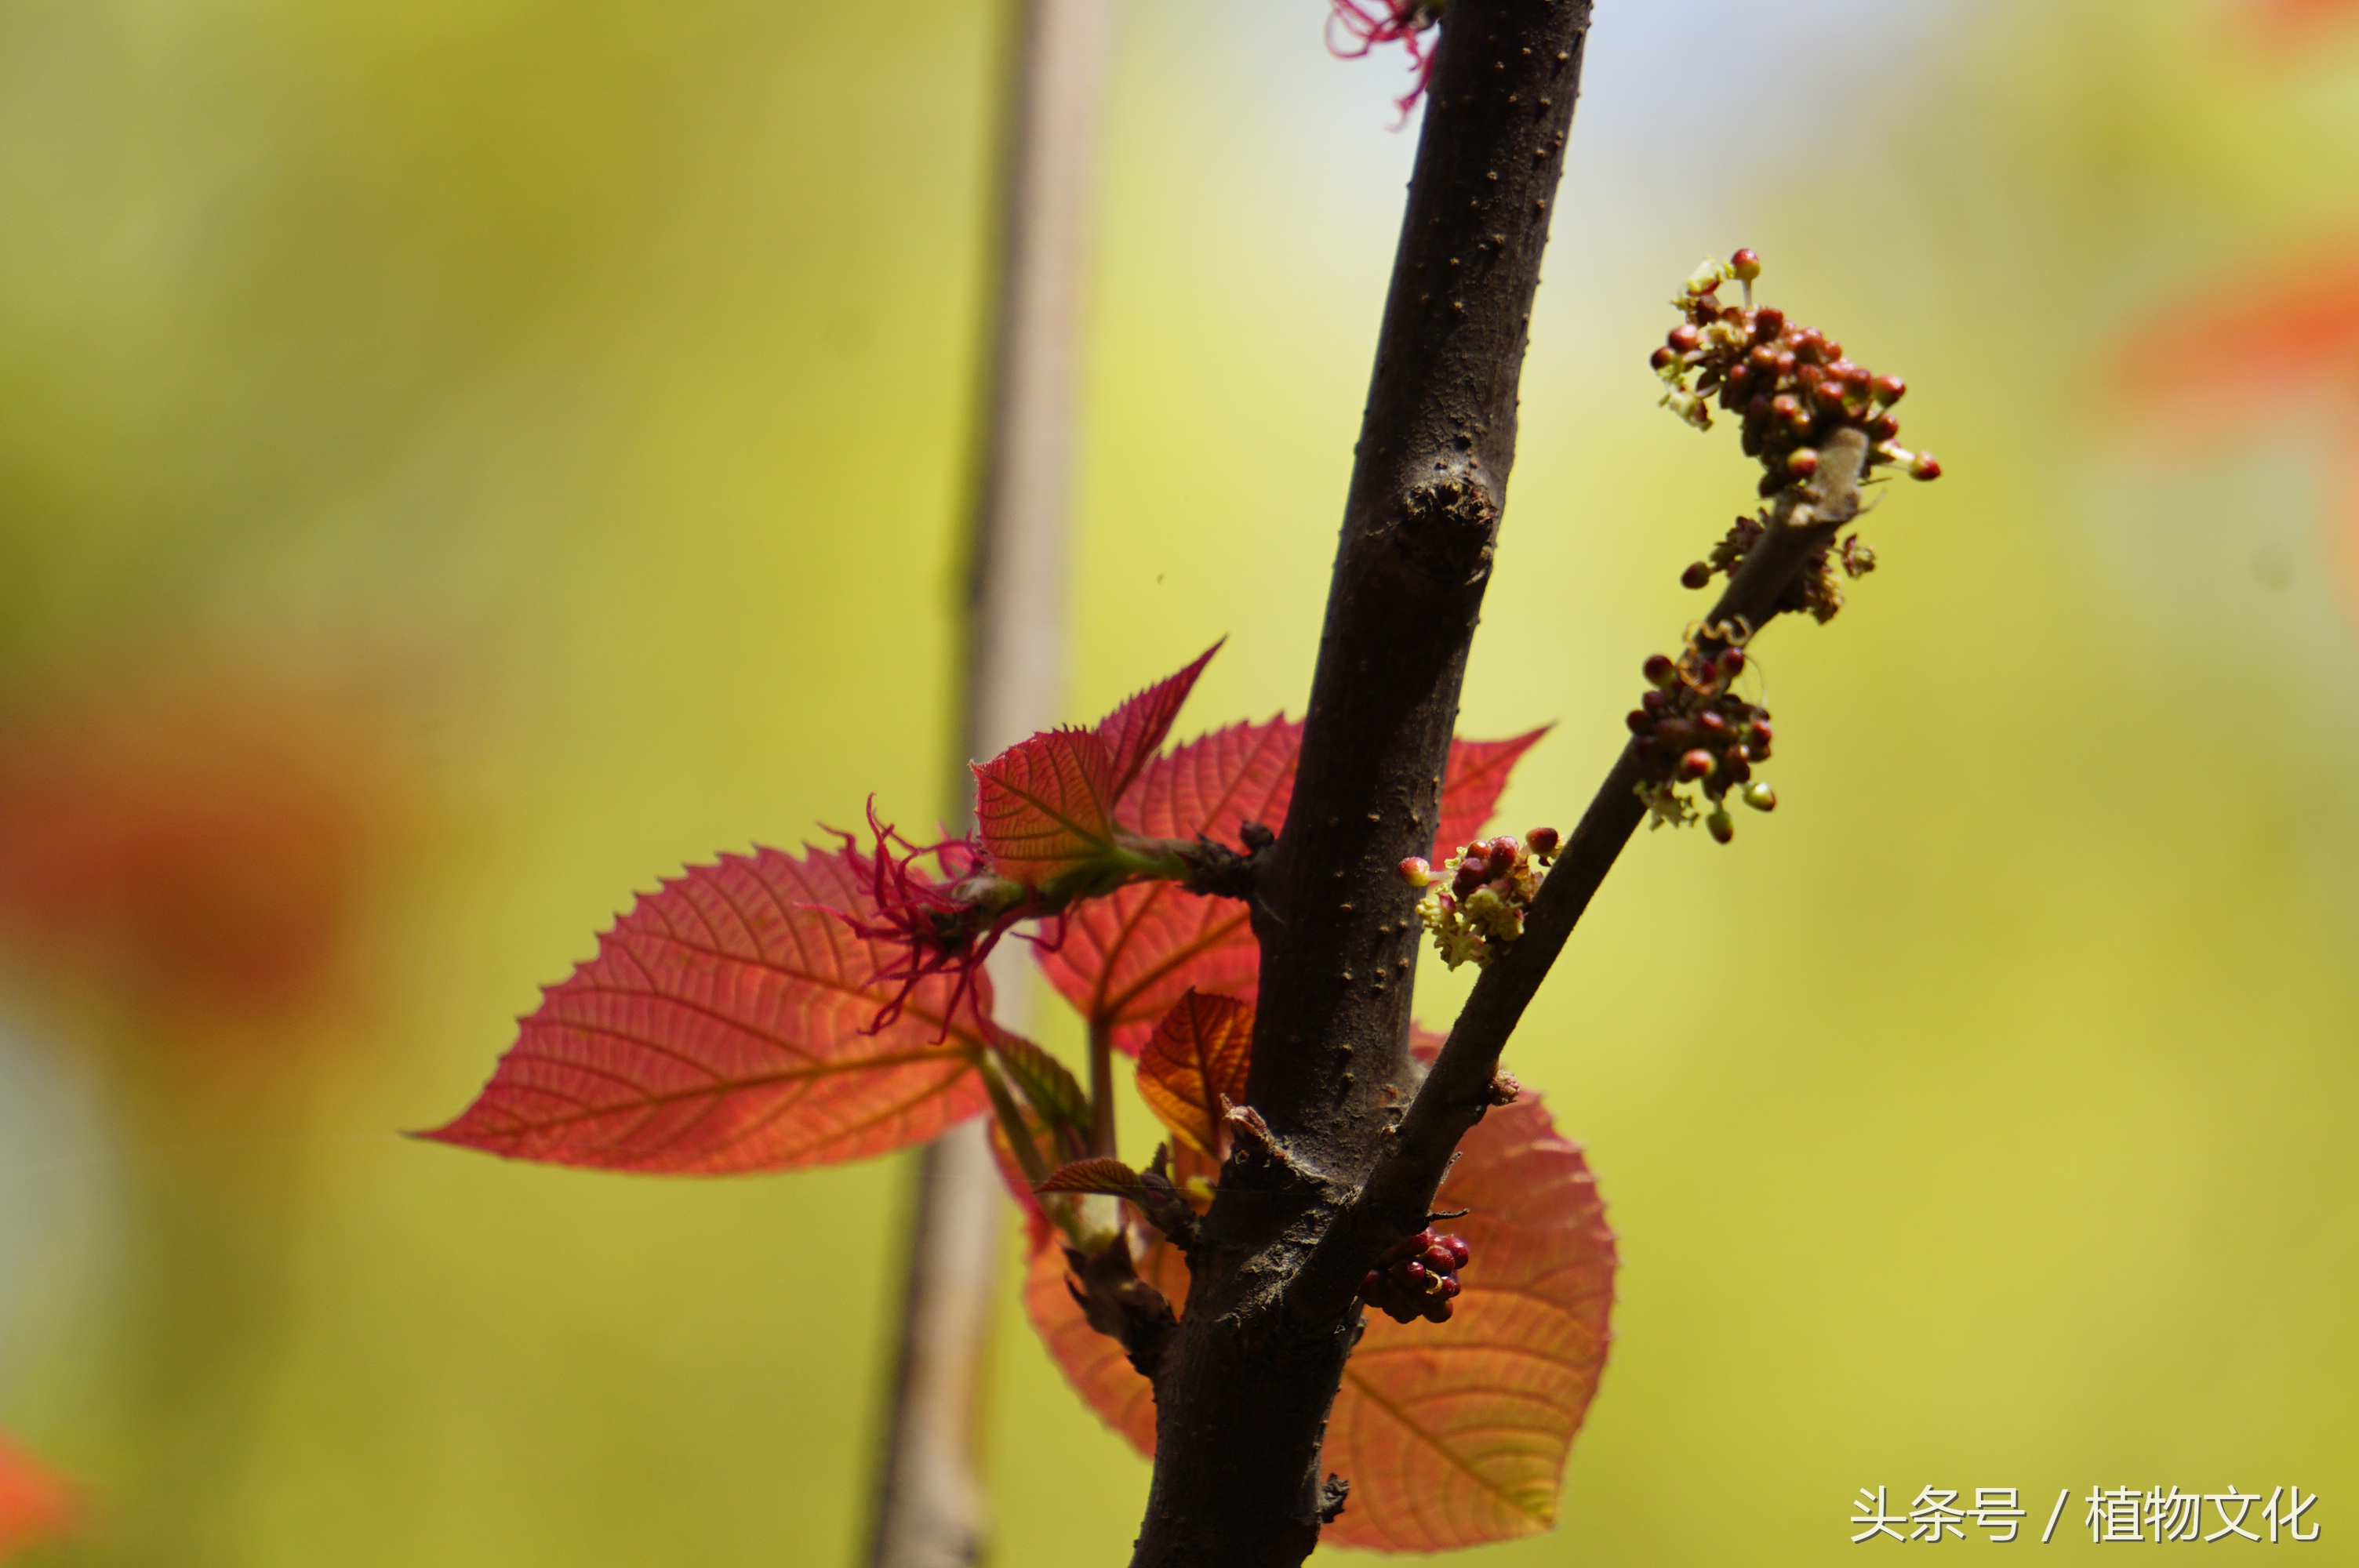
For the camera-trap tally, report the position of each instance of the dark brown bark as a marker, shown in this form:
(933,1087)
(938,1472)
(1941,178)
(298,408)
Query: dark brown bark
(1245,1386)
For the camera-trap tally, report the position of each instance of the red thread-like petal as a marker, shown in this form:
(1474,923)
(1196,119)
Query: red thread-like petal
(1044,804)
(1134,731)
(720,1029)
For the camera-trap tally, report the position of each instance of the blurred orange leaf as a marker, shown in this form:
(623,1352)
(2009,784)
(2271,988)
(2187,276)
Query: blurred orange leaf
(35,1502)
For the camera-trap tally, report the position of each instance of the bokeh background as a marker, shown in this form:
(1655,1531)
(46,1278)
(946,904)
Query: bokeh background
(459,462)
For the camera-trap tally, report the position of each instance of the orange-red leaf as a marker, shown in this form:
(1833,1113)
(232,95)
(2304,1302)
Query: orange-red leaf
(1102,1174)
(1196,1056)
(1126,958)
(35,1503)
(1044,804)
(1452,1434)
(720,1029)
(1134,731)
(1471,785)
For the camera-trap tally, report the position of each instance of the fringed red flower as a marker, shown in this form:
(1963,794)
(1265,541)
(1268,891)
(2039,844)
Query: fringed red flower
(1367,23)
(934,927)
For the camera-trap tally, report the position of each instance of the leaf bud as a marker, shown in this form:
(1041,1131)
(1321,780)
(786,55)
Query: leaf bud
(1417,871)
(1760,797)
(1696,764)
(1721,826)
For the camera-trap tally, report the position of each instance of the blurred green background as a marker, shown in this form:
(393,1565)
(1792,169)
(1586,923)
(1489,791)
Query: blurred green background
(459,462)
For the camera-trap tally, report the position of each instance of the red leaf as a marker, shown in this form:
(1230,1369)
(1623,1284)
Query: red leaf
(1196,1057)
(719,1029)
(1102,1174)
(1471,784)
(1452,1434)
(35,1503)
(1126,958)
(1134,731)
(1046,804)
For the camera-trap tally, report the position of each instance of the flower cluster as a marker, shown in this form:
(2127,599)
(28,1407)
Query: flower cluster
(1817,590)
(1693,730)
(1792,384)
(945,926)
(1416,1277)
(1492,883)
(1367,23)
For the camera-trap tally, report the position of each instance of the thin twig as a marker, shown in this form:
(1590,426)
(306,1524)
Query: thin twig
(929,1507)
(1399,1190)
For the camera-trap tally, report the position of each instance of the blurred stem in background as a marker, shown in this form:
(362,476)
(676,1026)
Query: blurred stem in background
(930,1509)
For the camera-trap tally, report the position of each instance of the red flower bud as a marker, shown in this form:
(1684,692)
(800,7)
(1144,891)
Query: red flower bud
(1802,461)
(1721,826)
(1683,338)
(1658,669)
(1543,840)
(1732,660)
(1458,1251)
(1417,871)
(1744,265)
(1767,322)
(1925,467)
(1696,576)
(1660,358)
(1889,389)
(1696,764)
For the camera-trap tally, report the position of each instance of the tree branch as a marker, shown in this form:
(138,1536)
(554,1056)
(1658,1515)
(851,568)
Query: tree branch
(1242,1389)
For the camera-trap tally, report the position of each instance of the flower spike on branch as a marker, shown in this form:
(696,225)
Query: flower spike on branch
(1368,22)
